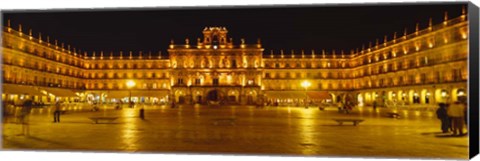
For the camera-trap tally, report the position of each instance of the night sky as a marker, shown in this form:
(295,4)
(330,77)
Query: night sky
(287,28)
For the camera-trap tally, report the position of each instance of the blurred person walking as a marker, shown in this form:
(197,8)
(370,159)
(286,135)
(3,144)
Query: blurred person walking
(457,112)
(443,116)
(56,113)
(27,107)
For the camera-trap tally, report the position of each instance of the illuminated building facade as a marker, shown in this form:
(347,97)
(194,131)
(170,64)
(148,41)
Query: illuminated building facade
(424,67)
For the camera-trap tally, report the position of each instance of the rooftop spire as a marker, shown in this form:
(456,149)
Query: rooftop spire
(445,18)
(313,53)
(159,54)
(149,54)
(9,28)
(416,29)
(121,54)
(101,54)
(39,37)
(394,37)
(385,41)
(130,55)
(463,13)
(405,33)
(111,54)
(430,24)
(376,43)
(20,29)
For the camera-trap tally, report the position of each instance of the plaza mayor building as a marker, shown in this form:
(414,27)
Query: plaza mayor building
(423,68)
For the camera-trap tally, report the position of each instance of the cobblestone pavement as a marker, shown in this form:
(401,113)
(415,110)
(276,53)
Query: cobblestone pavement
(239,130)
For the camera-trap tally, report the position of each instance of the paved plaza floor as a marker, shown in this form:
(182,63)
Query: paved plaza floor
(239,130)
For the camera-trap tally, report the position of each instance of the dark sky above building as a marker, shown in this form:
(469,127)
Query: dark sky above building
(279,27)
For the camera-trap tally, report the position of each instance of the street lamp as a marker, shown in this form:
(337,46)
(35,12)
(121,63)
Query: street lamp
(130,84)
(306,84)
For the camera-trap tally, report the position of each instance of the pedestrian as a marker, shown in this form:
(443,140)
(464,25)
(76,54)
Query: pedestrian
(95,107)
(443,116)
(117,106)
(27,107)
(56,113)
(142,113)
(375,105)
(456,112)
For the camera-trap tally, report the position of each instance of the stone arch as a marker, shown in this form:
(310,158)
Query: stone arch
(198,96)
(333,96)
(390,96)
(180,96)
(416,97)
(360,99)
(233,96)
(214,95)
(368,98)
(251,96)
(425,97)
(458,94)
(441,95)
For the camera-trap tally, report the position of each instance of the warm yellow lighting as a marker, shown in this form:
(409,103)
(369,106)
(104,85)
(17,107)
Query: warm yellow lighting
(444,94)
(306,84)
(130,83)
(461,93)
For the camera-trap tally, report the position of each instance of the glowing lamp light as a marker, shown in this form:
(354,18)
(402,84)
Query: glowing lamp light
(215,47)
(130,83)
(306,84)
(444,94)
(461,93)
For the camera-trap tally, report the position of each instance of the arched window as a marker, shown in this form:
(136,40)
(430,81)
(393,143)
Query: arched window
(215,41)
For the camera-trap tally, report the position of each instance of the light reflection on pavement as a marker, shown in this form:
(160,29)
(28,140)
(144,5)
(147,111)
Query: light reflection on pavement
(268,131)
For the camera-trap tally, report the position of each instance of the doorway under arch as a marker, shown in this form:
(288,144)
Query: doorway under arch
(213,95)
